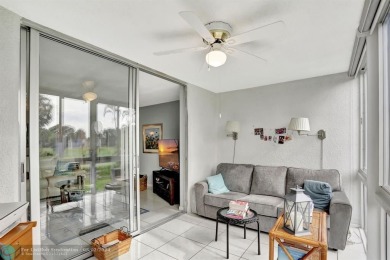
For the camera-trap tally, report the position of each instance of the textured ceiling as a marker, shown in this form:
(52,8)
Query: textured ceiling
(317,40)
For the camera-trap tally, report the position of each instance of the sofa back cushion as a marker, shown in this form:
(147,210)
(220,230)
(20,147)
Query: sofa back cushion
(269,180)
(297,176)
(237,177)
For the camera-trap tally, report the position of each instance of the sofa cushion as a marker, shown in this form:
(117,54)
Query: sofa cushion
(222,200)
(237,177)
(269,180)
(264,205)
(216,184)
(297,176)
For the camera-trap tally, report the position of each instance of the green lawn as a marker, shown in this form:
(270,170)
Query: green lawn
(103,174)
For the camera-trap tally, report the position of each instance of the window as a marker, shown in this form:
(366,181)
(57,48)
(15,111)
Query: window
(363,146)
(363,121)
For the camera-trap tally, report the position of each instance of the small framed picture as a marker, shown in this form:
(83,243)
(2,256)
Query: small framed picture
(280,131)
(151,135)
(281,139)
(258,131)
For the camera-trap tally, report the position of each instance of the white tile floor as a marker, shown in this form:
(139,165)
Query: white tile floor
(192,237)
(158,208)
(62,229)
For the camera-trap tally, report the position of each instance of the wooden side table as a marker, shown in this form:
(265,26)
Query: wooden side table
(315,244)
(20,238)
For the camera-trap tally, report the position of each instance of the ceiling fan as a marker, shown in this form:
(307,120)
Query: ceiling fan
(218,39)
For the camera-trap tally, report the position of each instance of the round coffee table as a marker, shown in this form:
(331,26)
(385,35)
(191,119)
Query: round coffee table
(229,220)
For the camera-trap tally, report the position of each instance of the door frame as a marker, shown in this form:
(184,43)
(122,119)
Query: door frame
(36,31)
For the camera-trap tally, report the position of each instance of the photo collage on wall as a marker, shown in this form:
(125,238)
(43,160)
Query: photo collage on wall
(277,135)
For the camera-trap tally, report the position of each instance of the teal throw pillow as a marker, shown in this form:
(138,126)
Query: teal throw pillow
(319,192)
(216,184)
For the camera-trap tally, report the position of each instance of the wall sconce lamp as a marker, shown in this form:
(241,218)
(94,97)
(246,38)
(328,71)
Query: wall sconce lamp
(232,129)
(302,124)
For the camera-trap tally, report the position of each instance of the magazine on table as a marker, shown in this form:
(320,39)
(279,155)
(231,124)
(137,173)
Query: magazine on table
(239,205)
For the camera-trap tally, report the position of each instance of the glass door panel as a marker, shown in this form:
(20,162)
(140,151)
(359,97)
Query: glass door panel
(87,146)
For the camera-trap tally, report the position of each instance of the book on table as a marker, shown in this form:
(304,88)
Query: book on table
(296,253)
(239,205)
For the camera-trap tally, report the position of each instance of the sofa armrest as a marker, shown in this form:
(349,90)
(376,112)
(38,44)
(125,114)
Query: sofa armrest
(201,188)
(340,211)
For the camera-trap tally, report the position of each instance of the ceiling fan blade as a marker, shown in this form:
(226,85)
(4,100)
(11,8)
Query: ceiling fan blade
(161,53)
(193,20)
(247,53)
(266,31)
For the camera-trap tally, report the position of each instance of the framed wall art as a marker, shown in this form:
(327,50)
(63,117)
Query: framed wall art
(151,135)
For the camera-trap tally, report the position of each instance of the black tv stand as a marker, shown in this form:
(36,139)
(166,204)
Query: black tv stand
(166,184)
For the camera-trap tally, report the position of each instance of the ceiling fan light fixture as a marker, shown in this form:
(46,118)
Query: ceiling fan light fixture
(216,58)
(89,96)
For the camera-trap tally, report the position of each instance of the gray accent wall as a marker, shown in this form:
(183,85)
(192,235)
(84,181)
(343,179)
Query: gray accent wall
(9,105)
(167,114)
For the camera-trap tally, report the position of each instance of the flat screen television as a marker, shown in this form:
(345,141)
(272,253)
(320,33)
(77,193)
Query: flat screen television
(168,154)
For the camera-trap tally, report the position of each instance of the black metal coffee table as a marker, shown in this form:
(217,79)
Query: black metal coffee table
(250,218)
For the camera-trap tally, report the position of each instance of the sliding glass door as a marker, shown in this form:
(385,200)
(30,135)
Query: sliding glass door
(86,166)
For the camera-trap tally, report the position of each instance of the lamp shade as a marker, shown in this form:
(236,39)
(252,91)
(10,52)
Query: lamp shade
(232,127)
(89,96)
(216,58)
(299,124)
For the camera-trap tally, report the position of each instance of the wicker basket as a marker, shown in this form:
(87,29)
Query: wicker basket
(101,251)
(143,182)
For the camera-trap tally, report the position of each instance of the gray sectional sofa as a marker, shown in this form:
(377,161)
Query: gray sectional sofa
(264,187)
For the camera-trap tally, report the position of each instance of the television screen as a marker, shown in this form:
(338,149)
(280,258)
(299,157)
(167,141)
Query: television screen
(168,154)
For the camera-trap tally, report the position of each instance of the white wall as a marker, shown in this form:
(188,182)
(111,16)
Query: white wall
(330,103)
(202,138)
(9,106)
(168,115)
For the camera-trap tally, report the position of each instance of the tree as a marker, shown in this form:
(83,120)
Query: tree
(117,113)
(45,111)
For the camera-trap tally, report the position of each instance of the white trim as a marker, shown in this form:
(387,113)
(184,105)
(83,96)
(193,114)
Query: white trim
(388,235)
(34,136)
(381,104)
(381,195)
(183,149)
(362,60)
(383,198)
(363,176)
(137,141)
(22,115)
(378,14)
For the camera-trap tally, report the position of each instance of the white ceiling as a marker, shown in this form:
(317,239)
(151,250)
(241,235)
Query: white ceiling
(318,39)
